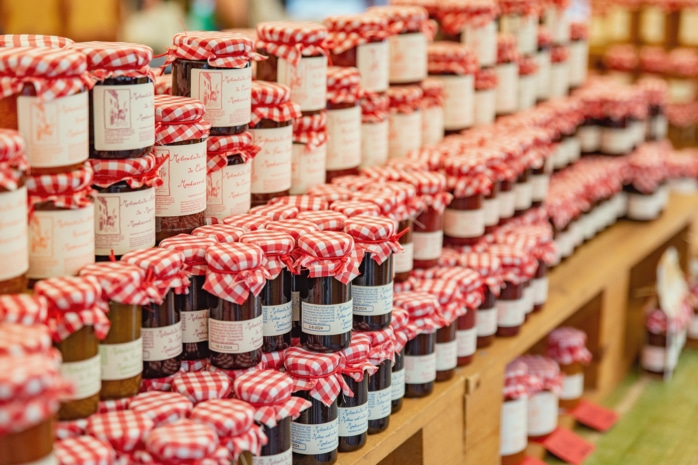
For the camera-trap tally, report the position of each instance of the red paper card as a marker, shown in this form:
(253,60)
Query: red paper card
(532,461)
(568,446)
(594,416)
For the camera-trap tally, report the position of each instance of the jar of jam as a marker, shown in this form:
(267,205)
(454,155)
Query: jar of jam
(557,22)
(621,63)
(180,139)
(681,68)
(578,53)
(297,58)
(543,404)
(310,139)
(518,267)
(229,175)
(644,206)
(523,191)
(616,133)
(545,42)
(379,386)
(78,316)
(405,121)
(475,22)
(486,83)
(432,109)
(559,71)
(528,75)
(567,346)
(14,250)
(34,40)
(214,68)
(655,91)
(343,121)
(47,102)
(489,267)
(374,129)
(272,129)
(83,448)
(464,217)
(541,167)
(124,430)
(62,227)
(125,204)
(319,373)
(661,348)
(332,261)
(237,277)
(507,70)
(162,407)
(121,102)
(520,20)
(121,351)
(514,416)
(402,331)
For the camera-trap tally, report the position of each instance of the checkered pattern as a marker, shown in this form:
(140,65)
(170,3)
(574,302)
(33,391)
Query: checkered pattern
(83,450)
(329,254)
(74,302)
(33,378)
(422,309)
(316,373)
(19,339)
(292,40)
(269,392)
(194,250)
(70,429)
(218,49)
(182,442)
(559,54)
(202,386)
(519,7)
(455,15)
(374,107)
(12,159)
(161,407)
(120,282)
(527,65)
(568,345)
(374,235)
(546,370)
(352,182)
(400,325)
(23,309)
(247,222)
(451,300)
(116,59)
(658,322)
(468,175)
(304,203)
(350,208)
(330,192)
(277,247)
(655,90)
(113,405)
(382,173)
(272,101)
(405,19)
(159,384)
(517,265)
(382,344)
(431,188)
(349,31)
(486,79)
(163,85)
(295,227)
(648,166)
(404,99)
(273,360)
(343,84)
(222,233)
(683,62)
(179,119)
(536,239)
(451,58)
(33,40)
(234,271)
(66,190)
(311,130)
(194,366)
(164,271)
(219,148)
(432,93)
(517,382)
(275,212)
(354,359)
(235,374)
(467,280)
(124,431)
(136,172)
(506,49)
(326,220)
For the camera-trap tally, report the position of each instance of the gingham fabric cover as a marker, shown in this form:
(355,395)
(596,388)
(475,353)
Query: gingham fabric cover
(83,450)
(235,271)
(66,190)
(269,392)
(329,254)
(184,442)
(354,361)
(125,431)
(277,247)
(317,373)
(275,212)
(567,345)
(194,250)
(349,31)
(219,148)
(304,203)
(325,220)
(164,271)
(455,15)
(202,386)
(310,130)
(218,49)
(400,325)
(13,160)
(246,221)
(33,40)
(116,59)
(374,107)
(422,309)
(546,370)
(179,119)
(136,172)
(405,19)
(451,58)
(350,208)
(375,236)
(272,101)
(343,84)
(292,40)
(223,233)
(161,407)
(120,282)
(23,309)
(330,192)
(382,344)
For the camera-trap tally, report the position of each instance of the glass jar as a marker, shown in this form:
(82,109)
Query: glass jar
(379,398)
(543,405)
(464,220)
(540,180)
(405,121)
(31,445)
(523,192)
(655,358)
(343,122)
(545,42)
(507,200)
(559,71)
(80,351)
(514,415)
(616,134)
(521,24)
(404,261)
(528,80)
(643,206)
(579,53)
(466,335)
(490,205)
(486,319)
(397,382)
(480,32)
(432,110)
(507,71)
(352,413)
(374,129)
(446,350)
(420,365)
(511,309)
(317,414)
(308,165)
(486,84)
(428,237)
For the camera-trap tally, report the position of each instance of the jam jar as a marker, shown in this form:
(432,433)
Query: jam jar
(659,353)
(655,92)
(507,71)
(114,427)
(528,75)
(272,129)
(121,103)
(464,217)
(374,129)
(236,276)
(486,83)
(121,352)
(476,24)
(332,260)
(214,68)
(14,250)
(579,53)
(432,109)
(382,346)
(520,20)
(79,301)
(523,191)
(559,71)
(405,121)
(616,132)
(543,405)
(519,267)
(401,330)
(297,58)
(545,42)
(229,175)
(567,346)
(353,411)
(514,416)
(489,267)
(180,140)
(343,121)
(124,204)
(308,165)
(34,40)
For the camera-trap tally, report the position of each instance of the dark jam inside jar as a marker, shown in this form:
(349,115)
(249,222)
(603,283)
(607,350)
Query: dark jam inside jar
(276,292)
(360,390)
(398,366)
(445,335)
(492,220)
(538,172)
(279,438)
(324,291)
(125,327)
(466,323)
(161,316)
(470,203)
(423,344)
(263,198)
(511,292)
(372,274)
(429,221)
(541,273)
(524,178)
(353,170)
(267,70)
(198,300)
(405,240)
(489,301)
(379,381)
(231,312)
(317,414)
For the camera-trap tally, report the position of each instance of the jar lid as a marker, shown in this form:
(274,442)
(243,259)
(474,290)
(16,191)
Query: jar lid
(546,370)
(33,40)
(223,233)
(113,59)
(451,57)
(343,84)
(431,187)
(489,267)
(399,323)
(536,239)
(137,172)
(329,254)
(579,30)
(433,90)
(468,175)
(351,208)
(124,430)
(23,309)
(66,190)
(277,247)
(451,300)
(422,310)
(683,62)
(163,84)
(202,386)
(374,107)
(194,250)
(567,345)
(517,382)
(325,220)
(120,282)
(382,172)
(486,79)
(450,257)
(654,60)
(112,405)
(246,221)
(386,200)
(295,227)
(405,18)
(374,235)
(179,119)
(310,130)
(161,407)
(316,373)
(13,160)
(382,344)
(544,37)
(349,31)
(304,203)
(467,280)
(272,101)
(518,265)
(291,40)
(506,48)
(164,267)
(404,99)
(621,57)
(218,49)
(184,441)
(521,7)
(455,15)
(234,271)
(83,450)
(20,339)
(275,212)
(330,192)
(219,148)
(559,54)
(528,65)
(647,166)
(354,361)
(352,182)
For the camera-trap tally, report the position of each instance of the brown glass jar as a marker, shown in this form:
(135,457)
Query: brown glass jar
(326,294)
(397,382)
(122,349)
(571,394)
(428,237)
(464,221)
(511,310)
(404,261)
(276,140)
(420,365)
(161,328)
(372,294)
(466,335)
(446,352)
(317,414)
(32,445)
(352,413)
(229,324)
(379,398)
(14,249)
(486,319)
(194,308)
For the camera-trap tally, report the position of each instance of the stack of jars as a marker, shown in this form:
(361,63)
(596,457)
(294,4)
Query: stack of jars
(647,188)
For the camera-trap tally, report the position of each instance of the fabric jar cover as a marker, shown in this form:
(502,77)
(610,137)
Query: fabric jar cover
(349,31)
(161,407)
(432,94)
(194,250)
(23,309)
(202,386)
(275,212)
(451,58)
(272,360)
(34,40)
(343,84)
(506,49)
(164,271)
(246,222)
(125,430)
(654,60)
(277,247)
(467,280)
(382,344)
(83,450)
(116,59)
(329,254)
(219,232)
(399,324)
(422,309)
(527,65)
(567,345)
(317,373)
(579,30)
(431,188)
(455,15)
(468,175)
(374,107)
(354,361)
(120,282)
(489,266)
(294,227)
(310,130)
(235,271)
(518,384)
(374,235)
(179,119)
(351,182)
(648,166)
(218,49)
(350,208)
(655,90)
(219,148)
(683,62)
(546,370)
(135,172)
(405,19)
(486,79)
(13,160)
(519,7)
(272,101)
(18,339)
(325,220)
(517,265)
(559,54)
(304,203)
(66,190)
(163,85)
(291,40)
(330,192)
(183,442)
(621,58)
(113,405)
(450,298)
(381,173)
(405,99)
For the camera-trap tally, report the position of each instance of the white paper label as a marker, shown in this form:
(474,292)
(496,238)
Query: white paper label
(307,167)
(61,242)
(572,386)
(467,341)
(579,51)
(228,191)
(397,384)
(654,358)
(486,321)
(277,319)
(14,245)
(539,187)
(651,27)
(432,125)
(638,129)
(121,361)
(124,116)
(616,141)
(315,439)
(284,458)
(379,403)
(372,60)
(343,138)
(124,222)
(559,79)
(307,80)
(485,106)
(446,355)
(659,126)
(404,133)
(408,57)
(194,326)
(484,41)
(327,320)
(491,208)
(527,91)
(372,300)
(645,207)
(527,35)
(542,413)
(572,148)
(420,369)
(507,88)
(543,75)
(404,261)
(459,101)
(589,138)
(680,91)
(55,131)
(162,343)
(427,245)
(693,328)
(688,32)
(183,191)
(512,436)
(524,195)
(540,290)
(235,337)
(464,223)
(374,144)
(84,376)
(507,203)
(353,420)
(271,168)
(618,23)
(226,94)
(511,312)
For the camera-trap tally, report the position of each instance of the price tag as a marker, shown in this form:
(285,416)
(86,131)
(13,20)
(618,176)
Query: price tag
(595,416)
(532,461)
(568,446)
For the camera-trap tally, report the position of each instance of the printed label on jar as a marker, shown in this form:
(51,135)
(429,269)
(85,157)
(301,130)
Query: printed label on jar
(559,156)
(542,413)
(226,94)
(121,361)
(307,80)
(343,138)
(654,358)
(559,79)
(540,290)
(408,57)
(507,87)
(124,116)
(486,321)
(543,75)
(459,101)
(84,376)
(539,187)
(638,129)
(467,341)
(183,191)
(397,384)
(404,261)
(372,300)
(14,245)
(194,326)
(374,144)
(446,355)
(307,167)
(680,91)
(379,403)
(124,222)
(405,133)
(61,242)
(315,439)
(228,191)
(284,458)
(511,312)
(523,191)
(512,436)
(420,369)
(579,51)
(652,19)
(55,131)
(353,420)
(327,320)
(644,207)
(484,41)
(572,386)
(507,204)
(693,328)
(432,125)
(527,35)
(464,223)
(372,60)
(277,319)
(491,208)
(162,343)
(688,33)
(527,92)
(485,106)
(427,245)
(271,168)
(589,138)
(235,337)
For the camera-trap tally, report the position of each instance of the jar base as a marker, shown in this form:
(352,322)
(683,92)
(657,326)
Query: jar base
(509,331)
(351,443)
(445,375)
(484,341)
(418,390)
(379,425)
(395,406)
(466,360)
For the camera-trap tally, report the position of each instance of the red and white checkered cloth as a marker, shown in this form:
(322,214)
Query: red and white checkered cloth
(295,227)
(382,173)
(400,325)
(451,300)
(538,240)
(304,203)
(486,79)
(349,31)
(83,450)
(398,200)
(352,182)
(683,62)
(179,119)
(194,366)
(317,373)
(658,322)
(183,442)
(649,166)
(161,407)
(528,65)
(579,30)
(404,99)
(343,84)
(164,270)
(382,344)
(33,40)
(330,192)
(272,101)
(519,7)
(559,54)
(219,148)
(375,107)
(120,282)
(275,212)
(67,190)
(329,254)
(223,233)
(546,370)
(163,384)
(374,235)
(235,374)
(451,58)
(455,15)
(194,250)
(467,280)
(116,59)
(136,172)
(518,384)
(19,339)
(310,130)
(506,49)
(273,360)
(468,175)
(567,345)
(406,19)
(292,40)
(70,429)
(351,208)
(23,309)
(431,188)
(124,431)
(277,247)
(13,160)
(518,265)
(74,302)
(235,271)
(218,49)
(422,309)
(163,85)
(246,222)
(354,361)
(202,386)
(488,265)
(433,93)
(114,405)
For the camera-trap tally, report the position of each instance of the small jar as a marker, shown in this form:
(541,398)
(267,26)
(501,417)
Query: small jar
(80,322)
(432,109)
(543,405)
(541,168)
(236,276)
(486,316)
(374,129)
(682,67)
(579,53)
(215,68)
(272,129)
(124,204)
(518,265)
(659,355)
(655,91)
(121,102)
(464,218)
(343,122)
(507,70)
(405,122)
(589,132)
(545,42)
(180,139)
(310,145)
(399,324)
(559,71)
(382,347)
(528,78)
(644,206)
(567,346)
(523,191)
(353,411)
(124,430)
(520,19)
(476,24)
(514,416)
(34,40)
(486,83)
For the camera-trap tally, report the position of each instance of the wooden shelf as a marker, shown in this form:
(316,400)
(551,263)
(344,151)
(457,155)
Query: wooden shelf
(460,420)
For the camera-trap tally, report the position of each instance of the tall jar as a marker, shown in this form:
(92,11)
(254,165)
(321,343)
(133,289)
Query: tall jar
(125,204)
(489,266)
(507,70)
(180,144)
(432,109)
(579,52)
(374,129)
(236,276)
(273,113)
(379,383)
(514,416)
(567,346)
(121,102)
(476,24)
(486,82)
(543,404)
(528,78)
(34,40)
(79,322)
(655,91)
(616,131)
(343,121)
(310,145)
(464,217)
(520,19)
(401,330)
(559,71)
(545,42)
(518,267)
(405,121)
